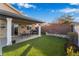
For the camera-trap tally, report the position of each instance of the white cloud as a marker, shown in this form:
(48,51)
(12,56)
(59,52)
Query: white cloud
(53,11)
(26,5)
(72,14)
(74,3)
(76,19)
(69,10)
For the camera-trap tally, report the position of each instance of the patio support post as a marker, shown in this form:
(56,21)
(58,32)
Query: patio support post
(9,31)
(39,30)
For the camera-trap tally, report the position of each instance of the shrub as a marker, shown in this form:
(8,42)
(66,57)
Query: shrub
(71,51)
(71,48)
(72,36)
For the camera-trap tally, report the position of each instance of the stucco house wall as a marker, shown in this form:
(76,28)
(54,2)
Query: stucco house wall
(22,29)
(2,28)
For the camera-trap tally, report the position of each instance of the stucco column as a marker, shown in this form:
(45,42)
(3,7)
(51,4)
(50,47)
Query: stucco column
(9,31)
(39,30)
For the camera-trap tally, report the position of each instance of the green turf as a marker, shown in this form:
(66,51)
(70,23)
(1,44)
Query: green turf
(43,46)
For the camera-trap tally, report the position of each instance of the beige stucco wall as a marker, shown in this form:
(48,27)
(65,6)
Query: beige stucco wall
(2,30)
(33,26)
(4,6)
(22,29)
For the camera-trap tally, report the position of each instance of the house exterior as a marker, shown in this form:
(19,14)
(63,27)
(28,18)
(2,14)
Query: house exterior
(14,24)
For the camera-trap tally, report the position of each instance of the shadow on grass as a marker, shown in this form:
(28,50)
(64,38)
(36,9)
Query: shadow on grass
(26,51)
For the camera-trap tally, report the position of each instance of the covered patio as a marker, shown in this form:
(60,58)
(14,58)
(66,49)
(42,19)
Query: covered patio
(18,28)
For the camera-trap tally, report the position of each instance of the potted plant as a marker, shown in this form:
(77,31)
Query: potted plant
(13,41)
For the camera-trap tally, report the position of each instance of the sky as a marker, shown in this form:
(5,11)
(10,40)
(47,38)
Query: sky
(48,12)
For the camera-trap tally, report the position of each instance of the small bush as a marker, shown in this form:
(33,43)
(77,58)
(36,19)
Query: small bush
(72,36)
(72,50)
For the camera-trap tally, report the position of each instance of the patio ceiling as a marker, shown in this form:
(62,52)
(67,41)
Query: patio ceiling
(18,18)
(20,21)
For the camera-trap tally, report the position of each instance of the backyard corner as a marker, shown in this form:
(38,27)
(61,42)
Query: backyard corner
(43,46)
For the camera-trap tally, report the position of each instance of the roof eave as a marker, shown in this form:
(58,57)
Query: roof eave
(8,4)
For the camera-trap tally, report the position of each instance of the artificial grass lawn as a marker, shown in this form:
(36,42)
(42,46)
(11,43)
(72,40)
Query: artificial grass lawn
(43,46)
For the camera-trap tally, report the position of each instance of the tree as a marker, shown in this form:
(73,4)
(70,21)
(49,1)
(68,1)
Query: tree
(66,18)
